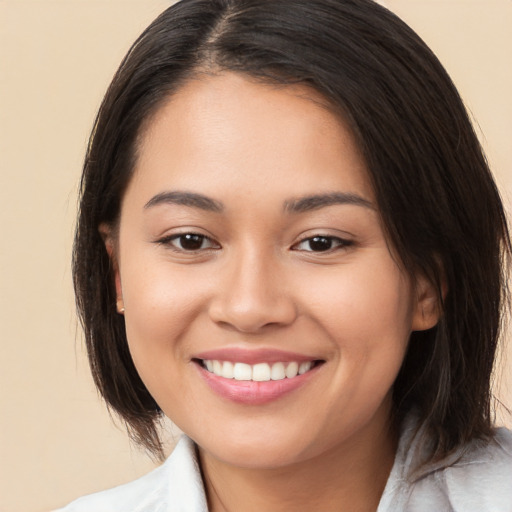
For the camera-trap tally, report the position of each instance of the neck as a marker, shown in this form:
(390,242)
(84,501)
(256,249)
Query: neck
(349,477)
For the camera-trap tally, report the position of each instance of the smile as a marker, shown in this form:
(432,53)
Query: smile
(260,372)
(255,377)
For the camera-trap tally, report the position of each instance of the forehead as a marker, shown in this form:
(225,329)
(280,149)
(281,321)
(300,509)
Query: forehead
(228,132)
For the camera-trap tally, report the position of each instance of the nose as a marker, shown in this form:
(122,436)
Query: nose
(252,295)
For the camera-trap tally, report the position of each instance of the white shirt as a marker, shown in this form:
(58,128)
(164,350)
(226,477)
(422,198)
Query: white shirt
(479,481)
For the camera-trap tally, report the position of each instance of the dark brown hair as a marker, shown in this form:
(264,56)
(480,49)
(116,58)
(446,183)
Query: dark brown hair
(436,195)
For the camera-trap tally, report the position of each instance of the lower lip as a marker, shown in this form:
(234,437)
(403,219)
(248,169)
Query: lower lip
(251,392)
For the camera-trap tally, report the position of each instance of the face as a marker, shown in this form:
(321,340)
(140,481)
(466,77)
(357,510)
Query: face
(264,310)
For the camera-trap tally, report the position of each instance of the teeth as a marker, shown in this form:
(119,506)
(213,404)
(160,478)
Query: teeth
(260,372)
(278,372)
(242,371)
(304,367)
(217,367)
(291,370)
(227,370)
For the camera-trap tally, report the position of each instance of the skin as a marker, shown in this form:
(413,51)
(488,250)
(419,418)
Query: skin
(255,282)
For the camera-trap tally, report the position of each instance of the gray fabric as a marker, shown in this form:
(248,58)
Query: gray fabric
(480,480)
(176,486)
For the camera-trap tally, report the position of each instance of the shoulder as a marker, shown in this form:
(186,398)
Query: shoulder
(476,479)
(479,479)
(482,479)
(175,486)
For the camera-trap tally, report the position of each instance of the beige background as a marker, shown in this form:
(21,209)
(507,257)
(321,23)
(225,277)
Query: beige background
(56,58)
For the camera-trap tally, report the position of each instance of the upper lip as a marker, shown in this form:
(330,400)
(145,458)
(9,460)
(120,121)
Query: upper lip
(253,356)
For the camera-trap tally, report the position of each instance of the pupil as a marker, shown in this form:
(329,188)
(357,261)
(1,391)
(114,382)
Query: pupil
(320,243)
(191,242)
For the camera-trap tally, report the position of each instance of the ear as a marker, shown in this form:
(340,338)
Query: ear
(428,304)
(109,239)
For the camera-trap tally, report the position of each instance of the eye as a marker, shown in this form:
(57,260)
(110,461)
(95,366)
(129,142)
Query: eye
(321,243)
(189,242)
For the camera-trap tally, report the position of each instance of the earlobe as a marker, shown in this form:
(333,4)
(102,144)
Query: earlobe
(120,306)
(110,246)
(428,304)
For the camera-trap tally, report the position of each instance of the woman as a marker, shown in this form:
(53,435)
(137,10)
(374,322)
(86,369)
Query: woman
(290,243)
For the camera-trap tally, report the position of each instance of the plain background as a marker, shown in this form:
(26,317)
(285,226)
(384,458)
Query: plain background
(56,58)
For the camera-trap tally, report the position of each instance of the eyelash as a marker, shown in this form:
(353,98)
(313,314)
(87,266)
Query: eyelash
(170,241)
(339,243)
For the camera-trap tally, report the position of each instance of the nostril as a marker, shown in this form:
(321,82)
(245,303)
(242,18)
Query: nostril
(252,314)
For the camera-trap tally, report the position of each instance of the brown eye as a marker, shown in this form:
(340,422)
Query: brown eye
(190,242)
(321,244)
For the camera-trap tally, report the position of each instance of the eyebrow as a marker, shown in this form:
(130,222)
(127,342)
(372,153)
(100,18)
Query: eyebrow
(191,199)
(297,205)
(317,201)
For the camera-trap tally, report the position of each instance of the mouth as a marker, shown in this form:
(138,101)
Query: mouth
(260,372)
(255,377)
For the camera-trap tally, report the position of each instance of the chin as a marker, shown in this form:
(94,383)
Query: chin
(257,457)
(257,450)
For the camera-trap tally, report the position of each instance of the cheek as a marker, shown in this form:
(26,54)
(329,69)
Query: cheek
(161,303)
(363,301)
(366,314)
(161,306)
